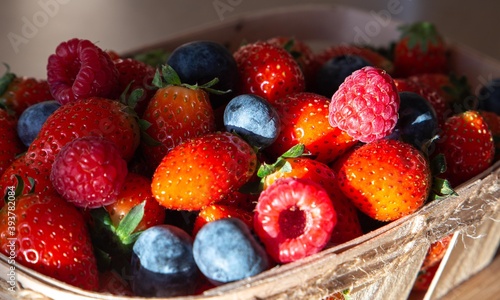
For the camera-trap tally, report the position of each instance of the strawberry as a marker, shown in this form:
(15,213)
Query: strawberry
(424,278)
(292,165)
(385,179)
(177,112)
(435,98)
(240,200)
(203,170)
(133,75)
(375,59)
(86,117)
(17,93)
(49,236)
(366,105)
(436,252)
(10,144)
(136,189)
(467,145)
(268,71)
(220,211)
(304,120)
(294,218)
(420,49)
(493,122)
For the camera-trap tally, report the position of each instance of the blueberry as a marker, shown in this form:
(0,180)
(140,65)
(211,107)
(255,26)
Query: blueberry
(226,251)
(489,96)
(32,119)
(331,75)
(162,263)
(417,123)
(199,62)
(253,118)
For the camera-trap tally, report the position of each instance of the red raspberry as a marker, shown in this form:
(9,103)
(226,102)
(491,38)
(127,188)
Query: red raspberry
(80,69)
(89,172)
(366,105)
(294,218)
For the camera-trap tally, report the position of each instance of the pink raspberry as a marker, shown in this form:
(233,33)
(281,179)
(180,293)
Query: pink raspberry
(366,105)
(80,69)
(294,218)
(89,172)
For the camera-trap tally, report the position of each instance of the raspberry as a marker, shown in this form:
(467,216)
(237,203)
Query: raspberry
(89,172)
(294,218)
(80,69)
(366,105)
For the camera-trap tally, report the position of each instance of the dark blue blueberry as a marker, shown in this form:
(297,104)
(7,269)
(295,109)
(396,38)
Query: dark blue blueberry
(253,118)
(226,251)
(331,75)
(417,123)
(162,263)
(199,62)
(32,119)
(489,96)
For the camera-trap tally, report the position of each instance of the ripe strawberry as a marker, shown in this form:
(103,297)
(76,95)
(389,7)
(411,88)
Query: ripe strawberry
(79,69)
(420,49)
(17,93)
(35,178)
(240,200)
(220,211)
(300,51)
(434,97)
(375,59)
(50,236)
(493,122)
(136,189)
(366,105)
(177,112)
(89,172)
(294,218)
(304,120)
(10,144)
(203,170)
(424,278)
(467,145)
(385,179)
(87,117)
(348,226)
(268,71)
(134,74)
(436,252)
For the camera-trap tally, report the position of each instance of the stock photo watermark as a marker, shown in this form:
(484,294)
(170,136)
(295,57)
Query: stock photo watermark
(31,25)
(223,7)
(11,239)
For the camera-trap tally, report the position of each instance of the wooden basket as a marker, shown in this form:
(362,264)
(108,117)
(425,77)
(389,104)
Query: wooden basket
(382,264)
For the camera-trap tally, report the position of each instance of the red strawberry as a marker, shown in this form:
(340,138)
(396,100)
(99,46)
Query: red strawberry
(434,97)
(348,226)
(137,189)
(79,69)
(467,145)
(203,170)
(375,59)
(366,105)
(385,179)
(177,112)
(294,218)
(244,201)
(436,252)
(424,278)
(268,71)
(10,144)
(89,172)
(87,117)
(17,93)
(49,236)
(420,49)
(220,211)
(304,120)
(134,74)
(493,122)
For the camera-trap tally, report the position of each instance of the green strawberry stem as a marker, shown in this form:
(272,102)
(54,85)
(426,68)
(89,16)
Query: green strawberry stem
(421,34)
(154,57)
(6,79)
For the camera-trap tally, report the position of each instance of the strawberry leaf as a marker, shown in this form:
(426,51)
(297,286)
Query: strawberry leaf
(155,57)
(6,79)
(129,224)
(294,152)
(441,188)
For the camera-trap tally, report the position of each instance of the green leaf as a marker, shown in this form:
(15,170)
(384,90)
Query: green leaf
(438,164)
(265,170)
(170,75)
(6,79)
(286,168)
(347,294)
(157,79)
(441,188)
(295,151)
(129,224)
(155,57)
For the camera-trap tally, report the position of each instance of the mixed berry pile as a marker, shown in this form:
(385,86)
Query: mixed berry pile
(170,176)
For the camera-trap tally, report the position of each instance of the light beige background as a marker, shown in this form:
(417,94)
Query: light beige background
(31,29)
